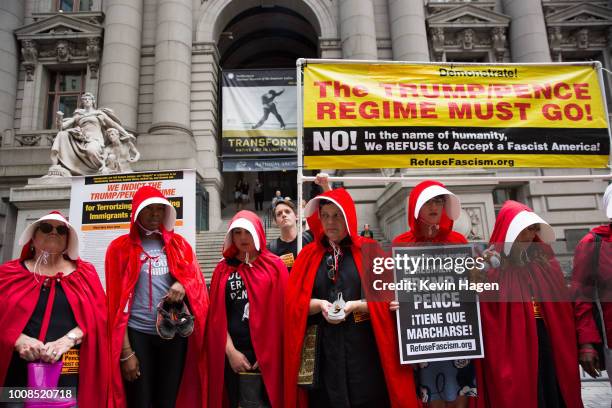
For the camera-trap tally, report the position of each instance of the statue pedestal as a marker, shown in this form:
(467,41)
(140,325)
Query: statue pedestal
(37,198)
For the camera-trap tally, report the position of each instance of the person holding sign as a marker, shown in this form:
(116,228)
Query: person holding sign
(157,308)
(53,316)
(353,342)
(431,212)
(528,326)
(245,328)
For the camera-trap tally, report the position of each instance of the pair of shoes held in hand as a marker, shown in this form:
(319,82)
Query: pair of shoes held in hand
(173,318)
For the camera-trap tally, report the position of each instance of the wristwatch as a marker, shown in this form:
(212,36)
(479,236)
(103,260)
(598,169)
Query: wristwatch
(74,337)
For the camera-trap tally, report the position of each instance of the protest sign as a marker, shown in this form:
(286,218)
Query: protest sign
(101,206)
(439,314)
(359,115)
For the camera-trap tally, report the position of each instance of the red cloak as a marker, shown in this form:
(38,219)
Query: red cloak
(20,291)
(399,379)
(445,235)
(265,280)
(122,265)
(586,277)
(509,372)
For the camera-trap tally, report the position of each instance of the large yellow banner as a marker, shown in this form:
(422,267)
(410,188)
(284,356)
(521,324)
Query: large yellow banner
(408,115)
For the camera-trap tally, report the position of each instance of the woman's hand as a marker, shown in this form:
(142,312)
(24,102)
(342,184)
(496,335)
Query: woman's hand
(356,306)
(176,293)
(28,348)
(54,350)
(394,305)
(130,368)
(238,361)
(589,360)
(325,308)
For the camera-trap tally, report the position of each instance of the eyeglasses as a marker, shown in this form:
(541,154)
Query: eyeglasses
(46,228)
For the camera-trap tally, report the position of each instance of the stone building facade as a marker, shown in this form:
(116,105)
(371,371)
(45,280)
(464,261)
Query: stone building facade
(156,63)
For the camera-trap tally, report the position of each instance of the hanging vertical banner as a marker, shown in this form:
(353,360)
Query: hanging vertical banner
(259,109)
(369,115)
(101,207)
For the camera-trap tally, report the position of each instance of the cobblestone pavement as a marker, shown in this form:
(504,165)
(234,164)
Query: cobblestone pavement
(596,394)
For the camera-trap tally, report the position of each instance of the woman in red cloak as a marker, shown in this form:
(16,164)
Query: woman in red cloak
(528,325)
(245,327)
(431,211)
(149,266)
(358,365)
(49,289)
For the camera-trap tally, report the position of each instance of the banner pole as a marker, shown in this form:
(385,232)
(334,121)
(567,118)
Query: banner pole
(464,179)
(300,151)
(602,87)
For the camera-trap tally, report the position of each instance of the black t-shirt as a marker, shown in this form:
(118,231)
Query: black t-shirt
(61,322)
(237,309)
(287,251)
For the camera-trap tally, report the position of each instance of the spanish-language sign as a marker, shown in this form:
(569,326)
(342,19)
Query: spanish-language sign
(101,206)
(259,110)
(407,115)
(439,314)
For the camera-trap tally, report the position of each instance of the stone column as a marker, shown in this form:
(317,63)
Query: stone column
(528,36)
(120,68)
(408,33)
(172,86)
(357,30)
(11,18)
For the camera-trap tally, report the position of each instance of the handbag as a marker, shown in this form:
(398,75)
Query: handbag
(251,390)
(45,376)
(308,375)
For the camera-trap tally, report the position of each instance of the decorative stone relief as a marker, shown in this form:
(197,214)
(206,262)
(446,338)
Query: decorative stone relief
(476,227)
(498,34)
(467,39)
(29,51)
(437,34)
(93,56)
(28,140)
(582,38)
(555,38)
(63,51)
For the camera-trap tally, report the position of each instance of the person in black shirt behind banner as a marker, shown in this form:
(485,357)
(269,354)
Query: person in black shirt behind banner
(285,218)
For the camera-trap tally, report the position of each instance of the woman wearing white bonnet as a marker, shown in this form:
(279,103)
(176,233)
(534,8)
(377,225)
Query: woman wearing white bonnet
(591,280)
(53,309)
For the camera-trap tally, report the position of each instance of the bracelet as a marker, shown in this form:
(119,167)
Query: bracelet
(133,353)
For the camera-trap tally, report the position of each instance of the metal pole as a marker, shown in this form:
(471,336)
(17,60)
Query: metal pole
(469,178)
(300,151)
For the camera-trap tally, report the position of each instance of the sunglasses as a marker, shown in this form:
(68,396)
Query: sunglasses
(46,228)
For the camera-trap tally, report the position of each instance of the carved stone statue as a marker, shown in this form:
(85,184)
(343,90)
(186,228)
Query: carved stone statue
(80,145)
(119,152)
